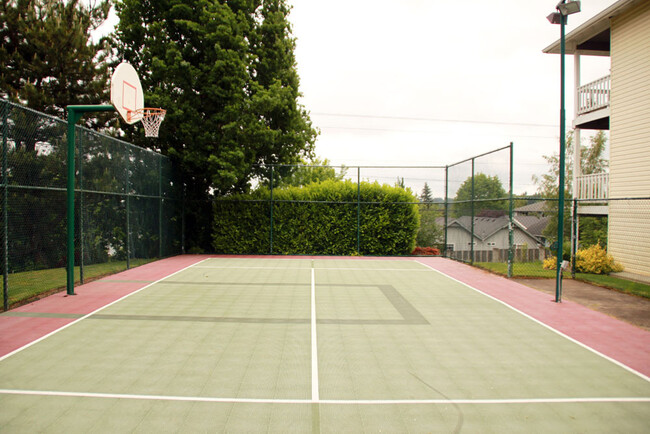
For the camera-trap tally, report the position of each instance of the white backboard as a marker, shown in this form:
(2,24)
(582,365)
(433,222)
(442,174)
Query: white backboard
(126,91)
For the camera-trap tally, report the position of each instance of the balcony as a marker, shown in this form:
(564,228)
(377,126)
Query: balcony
(592,101)
(592,191)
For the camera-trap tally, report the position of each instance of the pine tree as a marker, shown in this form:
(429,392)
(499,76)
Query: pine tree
(426,196)
(47,59)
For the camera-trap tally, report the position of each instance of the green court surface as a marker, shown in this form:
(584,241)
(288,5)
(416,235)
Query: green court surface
(325,345)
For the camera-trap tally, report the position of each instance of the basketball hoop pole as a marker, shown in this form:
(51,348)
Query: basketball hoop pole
(74,114)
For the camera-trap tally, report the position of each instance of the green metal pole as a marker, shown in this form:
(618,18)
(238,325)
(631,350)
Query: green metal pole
(574,244)
(359,210)
(471,241)
(160,206)
(5,210)
(81,213)
(74,114)
(183,219)
(128,212)
(271,228)
(446,207)
(510,214)
(73,117)
(560,205)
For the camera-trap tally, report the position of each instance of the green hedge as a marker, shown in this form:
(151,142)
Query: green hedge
(318,219)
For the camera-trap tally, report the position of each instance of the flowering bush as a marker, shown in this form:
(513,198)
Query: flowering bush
(549,263)
(596,260)
(426,251)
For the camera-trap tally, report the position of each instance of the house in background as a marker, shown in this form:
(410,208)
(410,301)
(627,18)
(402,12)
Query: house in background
(618,102)
(491,238)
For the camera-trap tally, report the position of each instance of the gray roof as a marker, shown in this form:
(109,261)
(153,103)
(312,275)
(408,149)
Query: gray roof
(533,224)
(538,206)
(485,227)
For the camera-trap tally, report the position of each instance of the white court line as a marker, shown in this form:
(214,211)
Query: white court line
(314,343)
(585,400)
(91,313)
(616,362)
(315,268)
(252,268)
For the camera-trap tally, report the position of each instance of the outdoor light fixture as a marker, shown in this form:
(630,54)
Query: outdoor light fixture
(554,18)
(568,8)
(564,8)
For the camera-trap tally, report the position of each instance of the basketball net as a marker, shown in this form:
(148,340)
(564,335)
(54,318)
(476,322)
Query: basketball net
(151,119)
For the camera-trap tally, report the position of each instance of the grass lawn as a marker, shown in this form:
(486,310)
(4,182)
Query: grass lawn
(26,285)
(534,269)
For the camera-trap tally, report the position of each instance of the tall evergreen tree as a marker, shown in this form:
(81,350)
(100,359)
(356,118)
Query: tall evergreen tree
(426,196)
(47,59)
(225,71)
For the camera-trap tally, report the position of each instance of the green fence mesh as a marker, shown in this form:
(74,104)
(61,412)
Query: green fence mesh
(127,204)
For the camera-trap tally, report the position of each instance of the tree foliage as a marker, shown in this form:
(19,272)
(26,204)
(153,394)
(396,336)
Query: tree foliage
(488,195)
(225,71)
(591,161)
(592,230)
(308,172)
(226,74)
(426,196)
(47,59)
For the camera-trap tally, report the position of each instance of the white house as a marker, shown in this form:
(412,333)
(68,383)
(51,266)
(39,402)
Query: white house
(491,238)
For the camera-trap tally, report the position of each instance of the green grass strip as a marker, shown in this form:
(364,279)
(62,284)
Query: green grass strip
(30,284)
(535,270)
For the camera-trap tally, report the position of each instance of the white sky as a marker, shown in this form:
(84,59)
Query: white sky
(392,82)
(422,59)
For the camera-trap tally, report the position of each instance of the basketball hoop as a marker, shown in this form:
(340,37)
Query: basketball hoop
(151,119)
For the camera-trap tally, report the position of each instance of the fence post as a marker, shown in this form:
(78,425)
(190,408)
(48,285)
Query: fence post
(471,240)
(183,217)
(446,208)
(5,211)
(128,210)
(271,216)
(81,213)
(160,207)
(358,210)
(574,236)
(511,229)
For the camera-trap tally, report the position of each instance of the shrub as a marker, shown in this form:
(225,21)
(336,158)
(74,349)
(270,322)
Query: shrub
(425,251)
(593,260)
(596,260)
(549,263)
(319,218)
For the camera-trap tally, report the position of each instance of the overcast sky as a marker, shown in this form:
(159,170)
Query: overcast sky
(418,82)
(421,67)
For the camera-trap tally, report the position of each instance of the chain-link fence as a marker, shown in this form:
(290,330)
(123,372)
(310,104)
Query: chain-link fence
(328,210)
(126,201)
(452,205)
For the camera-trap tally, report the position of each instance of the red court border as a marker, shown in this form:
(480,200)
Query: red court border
(623,342)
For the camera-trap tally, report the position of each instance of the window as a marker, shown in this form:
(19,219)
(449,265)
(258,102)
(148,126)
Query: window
(450,247)
(491,244)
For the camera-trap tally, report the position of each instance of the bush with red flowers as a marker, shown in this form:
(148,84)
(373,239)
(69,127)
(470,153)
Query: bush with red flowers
(426,251)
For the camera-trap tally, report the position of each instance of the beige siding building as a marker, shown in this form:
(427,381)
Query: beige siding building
(619,102)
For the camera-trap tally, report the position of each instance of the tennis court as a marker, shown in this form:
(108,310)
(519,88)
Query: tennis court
(326,345)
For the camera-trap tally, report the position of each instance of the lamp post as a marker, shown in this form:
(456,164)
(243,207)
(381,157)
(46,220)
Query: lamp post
(564,9)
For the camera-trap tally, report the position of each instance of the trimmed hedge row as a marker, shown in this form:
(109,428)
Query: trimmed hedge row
(318,219)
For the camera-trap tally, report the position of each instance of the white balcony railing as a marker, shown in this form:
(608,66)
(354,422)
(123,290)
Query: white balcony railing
(593,96)
(593,187)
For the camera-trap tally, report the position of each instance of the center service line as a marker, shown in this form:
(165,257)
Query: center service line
(314,344)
